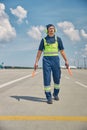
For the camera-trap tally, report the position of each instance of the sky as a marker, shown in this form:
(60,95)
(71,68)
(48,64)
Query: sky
(23,23)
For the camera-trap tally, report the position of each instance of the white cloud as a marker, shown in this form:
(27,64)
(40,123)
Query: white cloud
(2,7)
(65,25)
(20,12)
(35,32)
(7,32)
(69,29)
(84,35)
(73,34)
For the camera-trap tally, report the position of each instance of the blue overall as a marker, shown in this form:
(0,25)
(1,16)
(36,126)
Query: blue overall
(51,66)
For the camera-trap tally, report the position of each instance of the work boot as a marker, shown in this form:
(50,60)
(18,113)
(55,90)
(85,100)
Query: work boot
(49,101)
(49,97)
(56,97)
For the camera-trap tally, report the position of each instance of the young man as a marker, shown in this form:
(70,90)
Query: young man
(50,46)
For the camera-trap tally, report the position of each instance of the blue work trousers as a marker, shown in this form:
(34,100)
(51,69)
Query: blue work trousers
(51,64)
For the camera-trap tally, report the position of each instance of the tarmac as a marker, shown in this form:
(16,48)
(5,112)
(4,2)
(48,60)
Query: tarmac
(23,103)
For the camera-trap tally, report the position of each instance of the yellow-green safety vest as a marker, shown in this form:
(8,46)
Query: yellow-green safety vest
(50,49)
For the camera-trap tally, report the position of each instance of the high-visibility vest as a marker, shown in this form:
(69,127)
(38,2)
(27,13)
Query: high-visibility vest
(50,49)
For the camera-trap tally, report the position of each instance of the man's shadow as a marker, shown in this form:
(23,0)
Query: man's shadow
(30,98)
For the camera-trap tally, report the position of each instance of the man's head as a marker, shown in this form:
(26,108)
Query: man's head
(49,25)
(50,29)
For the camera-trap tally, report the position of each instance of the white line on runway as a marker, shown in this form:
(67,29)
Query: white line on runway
(83,85)
(16,80)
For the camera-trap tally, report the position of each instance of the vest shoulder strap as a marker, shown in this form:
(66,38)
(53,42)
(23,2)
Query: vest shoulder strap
(56,39)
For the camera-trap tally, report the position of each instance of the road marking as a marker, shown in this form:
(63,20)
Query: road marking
(83,85)
(41,118)
(16,80)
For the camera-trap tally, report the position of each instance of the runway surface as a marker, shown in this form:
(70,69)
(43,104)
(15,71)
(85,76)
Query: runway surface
(23,104)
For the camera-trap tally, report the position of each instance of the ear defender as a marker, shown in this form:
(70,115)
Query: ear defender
(46,31)
(55,30)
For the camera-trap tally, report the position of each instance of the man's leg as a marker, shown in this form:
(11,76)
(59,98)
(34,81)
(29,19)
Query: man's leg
(56,78)
(47,80)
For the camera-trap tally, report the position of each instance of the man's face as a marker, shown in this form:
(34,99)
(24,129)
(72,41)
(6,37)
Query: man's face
(51,30)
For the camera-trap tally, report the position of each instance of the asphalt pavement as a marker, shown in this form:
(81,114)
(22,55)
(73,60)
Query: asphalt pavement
(23,104)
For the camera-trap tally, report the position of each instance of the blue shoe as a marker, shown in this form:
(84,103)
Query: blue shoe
(49,101)
(56,97)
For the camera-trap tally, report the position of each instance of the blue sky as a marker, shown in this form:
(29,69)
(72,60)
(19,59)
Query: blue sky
(22,25)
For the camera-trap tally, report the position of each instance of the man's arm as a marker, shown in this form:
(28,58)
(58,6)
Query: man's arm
(37,59)
(62,52)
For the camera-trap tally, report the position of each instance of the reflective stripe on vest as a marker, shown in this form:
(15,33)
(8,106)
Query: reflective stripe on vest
(50,49)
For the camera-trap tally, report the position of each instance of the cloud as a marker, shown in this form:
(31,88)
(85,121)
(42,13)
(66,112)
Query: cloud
(65,25)
(19,12)
(35,32)
(2,7)
(84,35)
(7,32)
(69,29)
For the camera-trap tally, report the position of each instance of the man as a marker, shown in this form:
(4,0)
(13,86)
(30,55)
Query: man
(50,46)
